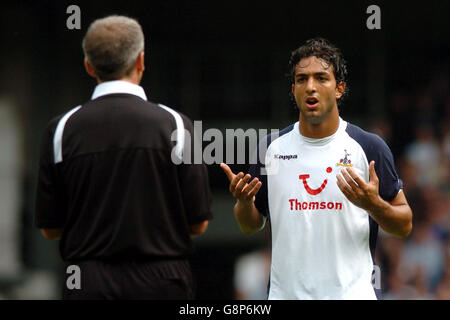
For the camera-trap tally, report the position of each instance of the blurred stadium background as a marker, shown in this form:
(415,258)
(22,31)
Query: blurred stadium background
(224,63)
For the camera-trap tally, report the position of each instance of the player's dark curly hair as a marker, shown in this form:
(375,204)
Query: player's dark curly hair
(323,49)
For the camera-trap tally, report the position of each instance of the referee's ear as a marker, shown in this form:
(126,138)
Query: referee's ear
(140,62)
(89,68)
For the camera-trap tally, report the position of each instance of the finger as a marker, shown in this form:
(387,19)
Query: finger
(250,186)
(349,179)
(340,182)
(361,183)
(344,187)
(255,190)
(240,186)
(235,181)
(227,171)
(372,174)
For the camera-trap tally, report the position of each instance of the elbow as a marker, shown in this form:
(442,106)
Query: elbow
(406,230)
(51,234)
(400,232)
(409,225)
(198,229)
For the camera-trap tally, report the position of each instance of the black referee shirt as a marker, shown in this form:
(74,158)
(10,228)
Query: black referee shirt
(106,177)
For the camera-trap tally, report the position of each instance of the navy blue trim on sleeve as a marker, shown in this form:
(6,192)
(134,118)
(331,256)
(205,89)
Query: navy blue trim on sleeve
(390,184)
(377,150)
(257,166)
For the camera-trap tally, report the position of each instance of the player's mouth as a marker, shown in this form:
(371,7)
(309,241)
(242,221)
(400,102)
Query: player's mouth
(312,102)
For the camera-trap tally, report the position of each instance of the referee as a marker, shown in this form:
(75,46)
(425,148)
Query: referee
(109,187)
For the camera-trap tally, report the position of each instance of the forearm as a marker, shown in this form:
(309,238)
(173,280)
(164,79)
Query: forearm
(395,219)
(245,212)
(248,217)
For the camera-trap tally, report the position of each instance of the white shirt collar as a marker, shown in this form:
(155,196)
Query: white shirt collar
(118,86)
(322,141)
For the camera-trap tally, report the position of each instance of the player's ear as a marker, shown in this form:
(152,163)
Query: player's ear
(340,88)
(89,69)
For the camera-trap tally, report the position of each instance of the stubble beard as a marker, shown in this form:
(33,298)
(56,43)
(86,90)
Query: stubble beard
(315,119)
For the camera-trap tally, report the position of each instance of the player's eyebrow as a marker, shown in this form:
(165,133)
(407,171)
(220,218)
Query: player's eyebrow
(320,73)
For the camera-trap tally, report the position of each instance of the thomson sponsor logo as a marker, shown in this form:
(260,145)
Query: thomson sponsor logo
(298,205)
(285,157)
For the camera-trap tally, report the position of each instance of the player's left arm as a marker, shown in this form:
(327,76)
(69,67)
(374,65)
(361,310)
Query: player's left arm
(394,217)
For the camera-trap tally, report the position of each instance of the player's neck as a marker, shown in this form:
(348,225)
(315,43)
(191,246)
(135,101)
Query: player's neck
(321,130)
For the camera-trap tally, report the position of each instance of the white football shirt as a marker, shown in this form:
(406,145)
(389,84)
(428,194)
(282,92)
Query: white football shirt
(322,244)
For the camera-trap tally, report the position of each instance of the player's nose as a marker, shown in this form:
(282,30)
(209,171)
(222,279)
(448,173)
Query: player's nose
(310,85)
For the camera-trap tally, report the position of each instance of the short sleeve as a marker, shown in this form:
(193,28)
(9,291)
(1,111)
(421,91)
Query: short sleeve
(257,170)
(390,183)
(377,150)
(194,184)
(49,204)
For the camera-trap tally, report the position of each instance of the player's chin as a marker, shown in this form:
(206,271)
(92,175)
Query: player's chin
(312,116)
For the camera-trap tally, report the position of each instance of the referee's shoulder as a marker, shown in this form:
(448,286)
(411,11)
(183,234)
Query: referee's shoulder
(169,111)
(53,122)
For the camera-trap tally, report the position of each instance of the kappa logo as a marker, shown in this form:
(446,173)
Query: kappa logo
(345,162)
(310,190)
(285,157)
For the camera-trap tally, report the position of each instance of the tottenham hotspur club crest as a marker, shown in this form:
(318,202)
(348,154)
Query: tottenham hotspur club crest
(345,162)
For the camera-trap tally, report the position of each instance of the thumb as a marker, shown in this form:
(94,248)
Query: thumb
(227,171)
(372,174)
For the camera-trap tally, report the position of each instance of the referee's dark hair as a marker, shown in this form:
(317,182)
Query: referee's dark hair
(112,45)
(325,50)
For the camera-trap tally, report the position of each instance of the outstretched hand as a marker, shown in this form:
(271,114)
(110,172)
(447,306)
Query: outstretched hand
(240,187)
(362,194)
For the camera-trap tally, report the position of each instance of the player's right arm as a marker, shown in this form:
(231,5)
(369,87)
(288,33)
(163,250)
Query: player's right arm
(247,215)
